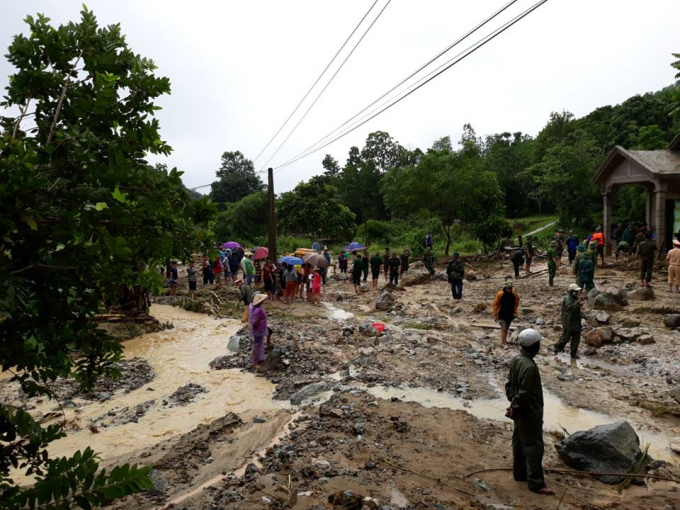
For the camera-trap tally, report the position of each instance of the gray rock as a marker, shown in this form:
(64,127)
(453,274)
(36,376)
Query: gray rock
(642,294)
(455,310)
(592,294)
(590,351)
(158,480)
(611,299)
(602,317)
(385,301)
(630,334)
(480,484)
(675,393)
(611,448)
(220,363)
(646,339)
(671,320)
(308,391)
(415,276)
(599,336)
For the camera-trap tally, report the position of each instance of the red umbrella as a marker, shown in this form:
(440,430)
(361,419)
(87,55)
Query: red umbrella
(261,253)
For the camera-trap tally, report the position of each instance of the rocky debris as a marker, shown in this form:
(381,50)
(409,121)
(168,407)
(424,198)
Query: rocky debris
(400,425)
(309,391)
(590,351)
(455,310)
(221,362)
(630,323)
(480,307)
(385,301)
(415,276)
(675,393)
(642,294)
(134,373)
(125,415)
(672,320)
(630,334)
(611,448)
(592,294)
(611,299)
(346,500)
(646,339)
(185,395)
(599,336)
(601,317)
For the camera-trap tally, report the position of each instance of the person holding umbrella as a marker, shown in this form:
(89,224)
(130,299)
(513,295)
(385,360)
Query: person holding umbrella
(258,323)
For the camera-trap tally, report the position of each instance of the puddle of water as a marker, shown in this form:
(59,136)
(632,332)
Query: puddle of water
(555,416)
(178,356)
(336,313)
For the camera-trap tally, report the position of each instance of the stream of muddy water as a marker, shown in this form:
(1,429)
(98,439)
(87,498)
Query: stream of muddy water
(178,356)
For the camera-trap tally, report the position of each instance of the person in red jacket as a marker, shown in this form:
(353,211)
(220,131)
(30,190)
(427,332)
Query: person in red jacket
(598,237)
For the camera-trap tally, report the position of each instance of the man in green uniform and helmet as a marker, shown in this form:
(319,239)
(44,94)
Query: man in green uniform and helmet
(580,253)
(571,321)
(525,393)
(428,261)
(553,261)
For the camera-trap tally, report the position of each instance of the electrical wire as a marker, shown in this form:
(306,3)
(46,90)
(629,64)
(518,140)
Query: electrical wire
(446,50)
(317,81)
(327,84)
(470,50)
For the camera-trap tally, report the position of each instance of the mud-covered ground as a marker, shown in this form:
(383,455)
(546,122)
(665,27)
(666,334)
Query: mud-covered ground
(399,418)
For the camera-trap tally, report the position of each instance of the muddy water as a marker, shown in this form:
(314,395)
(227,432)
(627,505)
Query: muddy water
(178,356)
(557,415)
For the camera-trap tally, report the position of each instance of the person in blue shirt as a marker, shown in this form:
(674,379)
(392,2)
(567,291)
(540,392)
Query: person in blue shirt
(572,243)
(316,246)
(428,241)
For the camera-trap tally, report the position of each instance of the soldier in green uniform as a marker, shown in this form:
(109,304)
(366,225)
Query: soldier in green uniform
(525,393)
(376,262)
(366,261)
(517,259)
(645,250)
(394,265)
(529,254)
(357,269)
(428,261)
(571,320)
(560,245)
(404,262)
(586,272)
(456,272)
(386,263)
(581,252)
(553,260)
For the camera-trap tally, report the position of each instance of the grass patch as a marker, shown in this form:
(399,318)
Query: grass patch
(418,325)
(520,226)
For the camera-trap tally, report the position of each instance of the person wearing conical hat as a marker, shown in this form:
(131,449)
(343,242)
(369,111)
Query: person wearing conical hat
(258,323)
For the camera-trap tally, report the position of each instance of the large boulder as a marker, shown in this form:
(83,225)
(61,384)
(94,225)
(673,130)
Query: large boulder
(612,448)
(415,276)
(672,320)
(642,294)
(385,301)
(599,337)
(221,362)
(308,391)
(630,334)
(610,299)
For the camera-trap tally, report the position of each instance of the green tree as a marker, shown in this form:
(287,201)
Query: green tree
(83,215)
(236,179)
(442,144)
(563,178)
(331,166)
(245,220)
(675,105)
(314,208)
(650,138)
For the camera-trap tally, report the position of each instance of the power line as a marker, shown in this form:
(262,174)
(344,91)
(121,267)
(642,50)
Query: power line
(472,49)
(454,44)
(317,81)
(327,84)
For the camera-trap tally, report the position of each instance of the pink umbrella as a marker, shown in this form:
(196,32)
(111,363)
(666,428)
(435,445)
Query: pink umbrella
(261,253)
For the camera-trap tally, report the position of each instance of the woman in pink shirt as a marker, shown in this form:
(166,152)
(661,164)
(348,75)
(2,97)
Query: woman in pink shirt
(316,287)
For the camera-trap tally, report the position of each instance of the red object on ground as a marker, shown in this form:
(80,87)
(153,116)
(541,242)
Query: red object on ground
(378,326)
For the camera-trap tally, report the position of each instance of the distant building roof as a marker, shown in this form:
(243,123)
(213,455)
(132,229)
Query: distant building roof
(662,163)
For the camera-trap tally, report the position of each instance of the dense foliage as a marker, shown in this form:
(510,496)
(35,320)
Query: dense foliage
(236,179)
(86,222)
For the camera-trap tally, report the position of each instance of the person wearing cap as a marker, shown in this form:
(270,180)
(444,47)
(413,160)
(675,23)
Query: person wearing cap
(456,272)
(505,307)
(598,240)
(517,259)
(258,324)
(673,259)
(553,261)
(645,250)
(525,393)
(581,252)
(428,261)
(571,321)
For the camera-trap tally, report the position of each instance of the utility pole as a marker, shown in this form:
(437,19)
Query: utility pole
(272,217)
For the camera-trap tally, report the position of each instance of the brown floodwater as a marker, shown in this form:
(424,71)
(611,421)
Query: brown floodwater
(179,356)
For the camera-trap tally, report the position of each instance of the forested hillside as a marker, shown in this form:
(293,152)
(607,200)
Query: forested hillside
(385,192)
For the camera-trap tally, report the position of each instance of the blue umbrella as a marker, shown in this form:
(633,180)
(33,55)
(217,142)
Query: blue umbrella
(354,246)
(292,261)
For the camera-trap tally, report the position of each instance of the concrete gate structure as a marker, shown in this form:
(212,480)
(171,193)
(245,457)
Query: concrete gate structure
(656,171)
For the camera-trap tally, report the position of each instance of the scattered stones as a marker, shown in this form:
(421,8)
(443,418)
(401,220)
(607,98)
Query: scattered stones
(590,351)
(347,500)
(455,310)
(221,362)
(602,317)
(610,448)
(646,339)
(399,424)
(611,299)
(185,395)
(672,320)
(309,391)
(630,334)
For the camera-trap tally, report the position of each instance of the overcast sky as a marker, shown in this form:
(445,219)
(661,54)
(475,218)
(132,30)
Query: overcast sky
(238,68)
